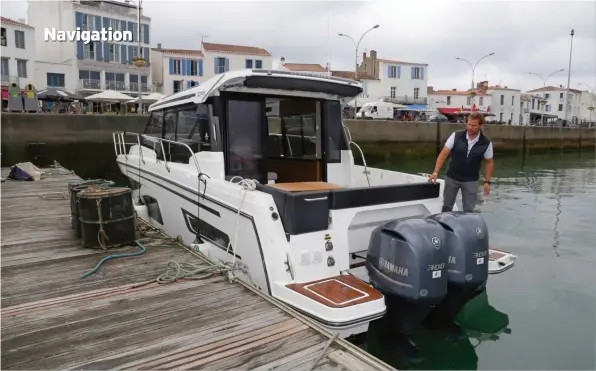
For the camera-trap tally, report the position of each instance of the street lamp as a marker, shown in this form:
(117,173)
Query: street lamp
(141,61)
(591,90)
(356,45)
(473,67)
(543,90)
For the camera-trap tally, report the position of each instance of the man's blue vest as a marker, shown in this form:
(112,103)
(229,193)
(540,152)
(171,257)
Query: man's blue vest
(465,167)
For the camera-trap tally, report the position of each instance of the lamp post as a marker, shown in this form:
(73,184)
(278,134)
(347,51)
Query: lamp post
(591,90)
(356,45)
(140,63)
(543,91)
(569,74)
(473,67)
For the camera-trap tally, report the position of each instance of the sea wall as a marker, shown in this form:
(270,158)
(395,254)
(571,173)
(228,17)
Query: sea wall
(422,139)
(23,133)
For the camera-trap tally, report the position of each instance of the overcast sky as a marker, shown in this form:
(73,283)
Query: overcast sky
(524,35)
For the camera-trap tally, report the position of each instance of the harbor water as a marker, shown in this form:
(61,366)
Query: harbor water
(539,315)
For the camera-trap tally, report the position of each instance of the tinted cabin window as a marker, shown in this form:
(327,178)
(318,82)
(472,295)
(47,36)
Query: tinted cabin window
(193,128)
(335,140)
(245,120)
(154,128)
(155,124)
(170,133)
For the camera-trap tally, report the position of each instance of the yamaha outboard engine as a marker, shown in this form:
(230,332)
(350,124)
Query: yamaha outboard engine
(406,261)
(466,242)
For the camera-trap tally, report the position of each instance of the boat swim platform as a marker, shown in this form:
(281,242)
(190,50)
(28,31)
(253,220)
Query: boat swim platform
(53,319)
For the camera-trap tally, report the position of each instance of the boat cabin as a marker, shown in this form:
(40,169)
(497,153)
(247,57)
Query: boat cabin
(269,125)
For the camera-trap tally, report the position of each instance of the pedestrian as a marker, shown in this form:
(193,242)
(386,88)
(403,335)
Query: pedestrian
(466,149)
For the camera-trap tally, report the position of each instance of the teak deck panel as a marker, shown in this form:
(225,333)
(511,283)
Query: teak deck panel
(52,319)
(305,186)
(337,292)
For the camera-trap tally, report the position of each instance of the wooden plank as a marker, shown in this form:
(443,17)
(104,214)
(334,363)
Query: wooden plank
(305,186)
(53,319)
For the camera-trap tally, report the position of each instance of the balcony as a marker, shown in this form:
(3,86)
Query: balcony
(526,110)
(115,85)
(89,84)
(133,87)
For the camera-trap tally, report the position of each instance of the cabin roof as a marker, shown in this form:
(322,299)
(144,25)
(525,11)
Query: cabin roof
(234,79)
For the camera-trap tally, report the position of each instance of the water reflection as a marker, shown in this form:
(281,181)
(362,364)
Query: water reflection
(445,345)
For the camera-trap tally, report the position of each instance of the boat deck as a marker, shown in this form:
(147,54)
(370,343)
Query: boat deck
(53,319)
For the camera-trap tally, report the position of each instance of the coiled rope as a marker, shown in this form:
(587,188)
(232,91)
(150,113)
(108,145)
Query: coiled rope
(179,270)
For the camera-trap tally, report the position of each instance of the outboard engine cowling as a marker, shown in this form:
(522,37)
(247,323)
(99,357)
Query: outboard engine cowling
(406,261)
(466,243)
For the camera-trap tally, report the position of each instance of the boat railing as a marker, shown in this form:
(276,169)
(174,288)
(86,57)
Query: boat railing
(120,146)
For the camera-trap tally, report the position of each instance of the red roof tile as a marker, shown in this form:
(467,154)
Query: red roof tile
(235,49)
(400,62)
(306,67)
(180,51)
(352,75)
(457,92)
(12,22)
(554,88)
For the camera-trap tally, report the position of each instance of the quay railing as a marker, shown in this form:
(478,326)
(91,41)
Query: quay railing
(120,147)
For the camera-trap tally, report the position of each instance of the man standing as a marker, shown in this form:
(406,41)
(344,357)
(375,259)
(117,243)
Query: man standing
(466,149)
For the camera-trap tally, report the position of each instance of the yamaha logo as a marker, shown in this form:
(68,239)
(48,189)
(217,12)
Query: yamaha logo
(479,231)
(423,292)
(469,277)
(436,242)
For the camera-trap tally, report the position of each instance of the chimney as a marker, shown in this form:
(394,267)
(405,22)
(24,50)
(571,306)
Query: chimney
(363,56)
(373,55)
(282,60)
(560,86)
(158,46)
(454,89)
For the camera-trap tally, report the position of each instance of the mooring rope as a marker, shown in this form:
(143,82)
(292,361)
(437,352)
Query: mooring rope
(102,237)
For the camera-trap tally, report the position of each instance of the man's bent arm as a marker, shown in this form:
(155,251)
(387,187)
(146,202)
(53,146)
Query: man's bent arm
(441,159)
(488,169)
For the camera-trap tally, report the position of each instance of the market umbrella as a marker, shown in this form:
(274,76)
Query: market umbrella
(56,94)
(109,96)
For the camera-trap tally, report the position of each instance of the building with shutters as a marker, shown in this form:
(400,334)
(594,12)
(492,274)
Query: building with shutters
(99,65)
(18,54)
(398,81)
(174,70)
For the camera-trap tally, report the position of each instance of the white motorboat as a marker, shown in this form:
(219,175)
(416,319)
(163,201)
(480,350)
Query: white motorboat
(255,167)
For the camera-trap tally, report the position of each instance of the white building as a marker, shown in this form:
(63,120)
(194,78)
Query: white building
(402,82)
(504,103)
(221,58)
(555,98)
(587,100)
(18,54)
(96,66)
(174,70)
(455,99)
